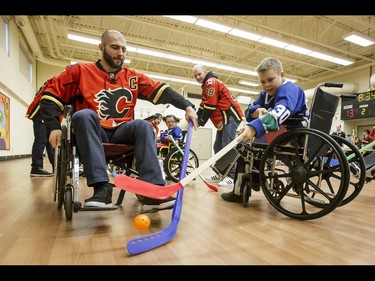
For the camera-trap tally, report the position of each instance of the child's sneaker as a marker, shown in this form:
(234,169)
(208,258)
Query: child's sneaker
(213,178)
(227,182)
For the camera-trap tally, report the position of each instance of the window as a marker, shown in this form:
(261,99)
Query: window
(4,34)
(25,64)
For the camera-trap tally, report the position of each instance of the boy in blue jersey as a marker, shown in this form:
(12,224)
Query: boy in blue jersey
(279,100)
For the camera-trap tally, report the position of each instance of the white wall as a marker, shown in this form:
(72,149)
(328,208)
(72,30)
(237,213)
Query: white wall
(20,92)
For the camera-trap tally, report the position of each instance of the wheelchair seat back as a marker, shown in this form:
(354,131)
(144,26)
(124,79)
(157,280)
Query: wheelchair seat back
(322,110)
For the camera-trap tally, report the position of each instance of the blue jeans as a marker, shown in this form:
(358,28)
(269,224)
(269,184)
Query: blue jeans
(90,135)
(225,136)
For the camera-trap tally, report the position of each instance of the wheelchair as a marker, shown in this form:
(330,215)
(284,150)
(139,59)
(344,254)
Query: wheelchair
(120,160)
(66,167)
(66,170)
(171,158)
(303,172)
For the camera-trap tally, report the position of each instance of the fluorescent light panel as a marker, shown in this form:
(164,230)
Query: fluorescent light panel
(213,26)
(272,42)
(269,41)
(84,39)
(297,49)
(149,52)
(359,40)
(247,83)
(192,82)
(188,19)
(127,61)
(244,34)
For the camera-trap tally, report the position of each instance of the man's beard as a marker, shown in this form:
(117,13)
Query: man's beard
(110,60)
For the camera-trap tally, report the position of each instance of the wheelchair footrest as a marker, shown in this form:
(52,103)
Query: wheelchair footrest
(112,208)
(222,165)
(155,210)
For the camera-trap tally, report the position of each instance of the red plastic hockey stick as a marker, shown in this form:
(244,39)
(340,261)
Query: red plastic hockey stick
(156,191)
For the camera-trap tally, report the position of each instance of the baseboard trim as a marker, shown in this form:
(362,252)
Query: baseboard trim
(11,157)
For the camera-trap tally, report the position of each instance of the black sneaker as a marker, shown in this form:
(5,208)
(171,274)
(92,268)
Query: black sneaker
(231,197)
(40,172)
(151,205)
(102,197)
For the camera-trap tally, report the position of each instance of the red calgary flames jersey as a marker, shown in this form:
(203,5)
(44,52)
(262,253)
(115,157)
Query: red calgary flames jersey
(112,96)
(216,97)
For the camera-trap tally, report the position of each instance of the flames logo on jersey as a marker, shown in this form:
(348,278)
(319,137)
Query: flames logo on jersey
(114,103)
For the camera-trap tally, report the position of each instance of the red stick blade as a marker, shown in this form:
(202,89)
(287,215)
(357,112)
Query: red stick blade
(144,188)
(211,186)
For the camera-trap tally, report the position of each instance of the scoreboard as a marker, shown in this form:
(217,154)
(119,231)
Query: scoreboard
(361,107)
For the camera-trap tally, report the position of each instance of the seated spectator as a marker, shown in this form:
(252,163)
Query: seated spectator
(357,142)
(172,130)
(155,124)
(366,138)
(339,133)
(372,133)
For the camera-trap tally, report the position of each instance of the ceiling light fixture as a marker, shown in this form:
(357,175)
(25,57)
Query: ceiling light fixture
(192,82)
(213,25)
(361,40)
(84,39)
(149,52)
(266,40)
(188,19)
(127,61)
(247,83)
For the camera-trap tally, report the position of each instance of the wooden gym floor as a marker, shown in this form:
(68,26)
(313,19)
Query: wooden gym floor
(211,231)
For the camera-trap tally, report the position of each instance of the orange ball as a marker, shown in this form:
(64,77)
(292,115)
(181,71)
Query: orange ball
(141,222)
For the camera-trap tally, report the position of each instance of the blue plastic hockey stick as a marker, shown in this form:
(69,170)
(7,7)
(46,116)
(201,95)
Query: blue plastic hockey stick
(152,241)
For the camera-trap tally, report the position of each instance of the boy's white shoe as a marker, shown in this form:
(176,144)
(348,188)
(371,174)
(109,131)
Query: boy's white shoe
(227,182)
(213,178)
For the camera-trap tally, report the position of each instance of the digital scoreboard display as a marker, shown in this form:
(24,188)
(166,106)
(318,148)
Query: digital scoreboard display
(361,107)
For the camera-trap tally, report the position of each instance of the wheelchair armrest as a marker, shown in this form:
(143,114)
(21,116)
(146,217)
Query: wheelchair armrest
(68,109)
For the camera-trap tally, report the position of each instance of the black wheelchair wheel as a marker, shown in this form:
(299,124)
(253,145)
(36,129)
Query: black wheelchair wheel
(357,169)
(296,188)
(56,174)
(68,203)
(173,162)
(246,184)
(62,168)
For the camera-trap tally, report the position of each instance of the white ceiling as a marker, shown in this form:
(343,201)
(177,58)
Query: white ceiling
(47,36)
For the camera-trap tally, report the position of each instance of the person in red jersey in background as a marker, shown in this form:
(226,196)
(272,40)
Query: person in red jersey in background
(221,107)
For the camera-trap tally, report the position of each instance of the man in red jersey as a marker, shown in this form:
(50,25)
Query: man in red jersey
(221,107)
(103,95)
(40,139)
